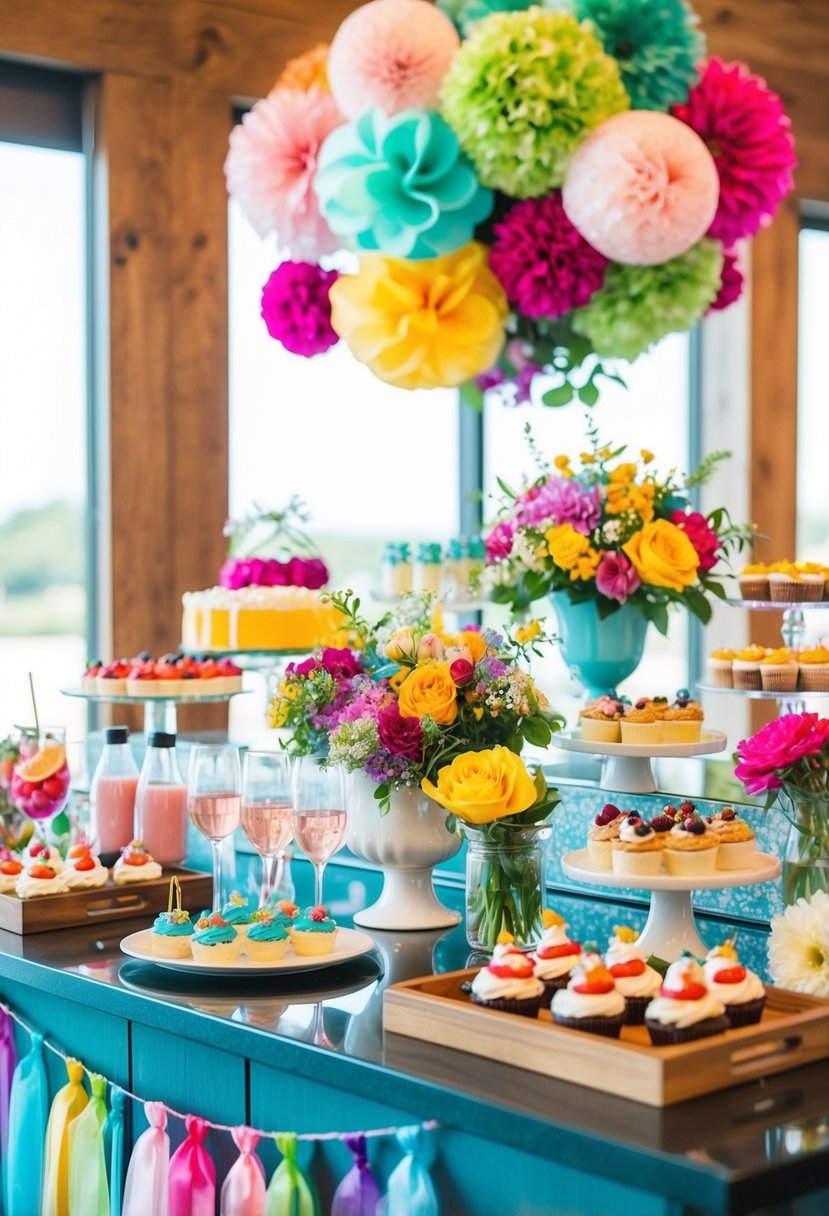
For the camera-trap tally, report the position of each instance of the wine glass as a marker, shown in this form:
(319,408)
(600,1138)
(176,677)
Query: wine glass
(39,785)
(214,800)
(319,816)
(266,813)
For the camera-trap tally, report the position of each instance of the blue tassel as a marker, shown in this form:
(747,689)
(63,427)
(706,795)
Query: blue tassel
(114,1149)
(411,1192)
(28,1113)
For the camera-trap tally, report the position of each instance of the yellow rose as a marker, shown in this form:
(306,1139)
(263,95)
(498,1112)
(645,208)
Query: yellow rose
(480,787)
(429,689)
(566,545)
(663,556)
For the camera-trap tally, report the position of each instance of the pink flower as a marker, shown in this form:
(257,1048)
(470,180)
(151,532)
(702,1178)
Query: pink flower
(544,264)
(401,736)
(499,542)
(732,282)
(302,669)
(271,165)
(768,756)
(430,646)
(310,572)
(340,663)
(462,672)
(297,310)
(747,132)
(701,535)
(615,577)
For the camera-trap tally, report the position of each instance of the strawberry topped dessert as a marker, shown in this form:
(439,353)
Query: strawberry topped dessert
(10,870)
(685,1008)
(181,675)
(636,981)
(508,982)
(83,868)
(555,956)
(40,878)
(740,990)
(591,1001)
(135,865)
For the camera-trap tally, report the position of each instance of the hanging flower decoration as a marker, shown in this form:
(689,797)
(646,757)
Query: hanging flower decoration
(550,186)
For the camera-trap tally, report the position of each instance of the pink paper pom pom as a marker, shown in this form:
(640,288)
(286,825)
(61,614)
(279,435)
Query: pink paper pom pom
(731,284)
(393,54)
(639,190)
(271,165)
(296,307)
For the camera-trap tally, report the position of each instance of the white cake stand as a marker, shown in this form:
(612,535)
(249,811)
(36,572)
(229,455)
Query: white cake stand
(626,767)
(670,927)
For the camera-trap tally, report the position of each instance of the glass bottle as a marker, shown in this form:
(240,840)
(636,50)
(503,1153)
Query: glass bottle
(428,569)
(390,572)
(161,802)
(112,795)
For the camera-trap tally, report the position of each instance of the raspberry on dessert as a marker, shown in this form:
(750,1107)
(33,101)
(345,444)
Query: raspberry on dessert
(687,808)
(318,913)
(662,823)
(607,814)
(728,814)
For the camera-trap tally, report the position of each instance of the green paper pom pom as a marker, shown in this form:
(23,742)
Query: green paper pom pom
(466,13)
(657,44)
(523,91)
(639,305)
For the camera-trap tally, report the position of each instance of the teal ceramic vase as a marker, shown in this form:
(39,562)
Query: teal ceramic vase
(600,653)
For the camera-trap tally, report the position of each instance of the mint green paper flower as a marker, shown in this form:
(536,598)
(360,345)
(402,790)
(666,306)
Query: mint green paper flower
(658,44)
(465,13)
(639,305)
(523,91)
(400,185)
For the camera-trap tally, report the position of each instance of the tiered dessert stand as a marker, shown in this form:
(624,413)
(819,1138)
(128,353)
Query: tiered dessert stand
(159,712)
(626,767)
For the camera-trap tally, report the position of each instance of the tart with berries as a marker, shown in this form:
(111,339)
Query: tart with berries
(135,865)
(685,1008)
(508,982)
(39,878)
(740,990)
(601,834)
(637,982)
(555,956)
(314,932)
(214,940)
(591,1001)
(691,848)
(638,851)
(111,680)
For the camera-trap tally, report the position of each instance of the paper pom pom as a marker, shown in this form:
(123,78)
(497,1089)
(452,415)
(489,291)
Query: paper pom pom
(466,13)
(521,94)
(732,282)
(392,54)
(744,125)
(638,305)
(545,266)
(640,190)
(307,71)
(657,44)
(400,185)
(428,324)
(296,307)
(271,164)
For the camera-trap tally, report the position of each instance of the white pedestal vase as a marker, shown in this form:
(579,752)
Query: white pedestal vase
(406,844)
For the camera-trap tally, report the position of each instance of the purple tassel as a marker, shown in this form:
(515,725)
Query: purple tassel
(358,1194)
(8,1063)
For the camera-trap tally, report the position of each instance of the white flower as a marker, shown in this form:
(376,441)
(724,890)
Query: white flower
(799,946)
(611,531)
(527,551)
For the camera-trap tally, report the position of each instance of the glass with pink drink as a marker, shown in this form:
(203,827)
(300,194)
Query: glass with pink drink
(161,802)
(319,817)
(39,785)
(266,813)
(214,800)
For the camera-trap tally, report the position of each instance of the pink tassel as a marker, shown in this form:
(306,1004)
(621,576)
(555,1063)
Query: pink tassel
(192,1180)
(243,1193)
(146,1186)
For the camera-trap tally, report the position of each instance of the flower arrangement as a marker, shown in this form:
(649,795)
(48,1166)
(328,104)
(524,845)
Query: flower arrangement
(610,529)
(788,761)
(529,189)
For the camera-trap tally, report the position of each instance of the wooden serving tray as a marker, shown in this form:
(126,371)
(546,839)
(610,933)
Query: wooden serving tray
(794,1031)
(73,909)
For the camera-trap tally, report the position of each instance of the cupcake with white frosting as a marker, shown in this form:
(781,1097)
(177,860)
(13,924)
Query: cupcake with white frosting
(740,990)
(638,851)
(591,1001)
(555,956)
(685,1008)
(637,982)
(508,982)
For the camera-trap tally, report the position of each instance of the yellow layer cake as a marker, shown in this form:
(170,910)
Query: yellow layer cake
(256,618)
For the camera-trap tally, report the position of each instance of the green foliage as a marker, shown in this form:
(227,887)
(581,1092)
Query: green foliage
(42,547)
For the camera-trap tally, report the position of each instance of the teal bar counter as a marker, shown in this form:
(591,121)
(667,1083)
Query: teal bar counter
(309,1054)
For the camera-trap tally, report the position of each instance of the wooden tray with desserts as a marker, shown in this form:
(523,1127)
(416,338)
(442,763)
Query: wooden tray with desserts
(101,905)
(793,1031)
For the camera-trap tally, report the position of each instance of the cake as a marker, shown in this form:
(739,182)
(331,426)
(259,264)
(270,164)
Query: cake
(555,956)
(601,834)
(314,932)
(737,844)
(591,1001)
(237,913)
(638,850)
(266,941)
(682,721)
(637,982)
(179,675)
(508,982)
(745,667)
(813,580)
(691,848)
(778,670)
(814,669)
(740,990)
(720,668)
(135,865)
(173,929)
(214,940)
(600,721)
(684,1009)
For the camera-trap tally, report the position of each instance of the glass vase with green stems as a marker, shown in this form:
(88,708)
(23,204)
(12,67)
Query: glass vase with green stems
(806,853)
(505,882)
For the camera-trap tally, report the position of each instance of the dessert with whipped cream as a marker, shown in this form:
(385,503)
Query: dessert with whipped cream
(39,878)
(602,832)
(135,865)
(638,850)
(555,956)
(691,848)
(685,1007)
(508,982)
(635,979)
(83,868)
(740,990)
(11,868)
(737,842)
(600,721)
(591,1001)
(44,853)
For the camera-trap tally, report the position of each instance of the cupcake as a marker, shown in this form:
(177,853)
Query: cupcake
(591,1001)
(237,913)
(638,850)
(778,670)
(814,669)
(754,581)
(508,982)
(740,990)
(628,964)
(601,720)
(684,1009)
(10,870)
(314,932)
(682,722)
(214,940)
(691,849)
(284,912)
(601,834)
(83,868)
(39,879)
(266,941)
(737,843)
(642,722)
(813,580)
(555,956)
(746,668)
(787,585)
(720,668)
(173,929)
(135,865)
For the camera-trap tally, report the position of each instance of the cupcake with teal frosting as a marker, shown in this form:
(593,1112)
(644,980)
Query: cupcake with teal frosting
(267,941)
(314,932)
(172,930)
(215,941)
(237,913)
(285,912)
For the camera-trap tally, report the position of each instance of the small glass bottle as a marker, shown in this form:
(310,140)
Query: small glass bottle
(428,569)
(453,580)
(161,802)
(390,572)
(404,570)
(476,556)
(112,795)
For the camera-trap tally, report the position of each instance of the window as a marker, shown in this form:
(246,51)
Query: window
(813,308)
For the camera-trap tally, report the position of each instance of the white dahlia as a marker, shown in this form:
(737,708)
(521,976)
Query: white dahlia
(799,946)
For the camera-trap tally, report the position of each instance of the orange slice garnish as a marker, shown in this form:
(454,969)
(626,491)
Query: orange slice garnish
(43,764)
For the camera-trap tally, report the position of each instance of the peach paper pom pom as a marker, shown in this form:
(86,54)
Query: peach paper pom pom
(639,190)
(271,165)
(393,54)
(306,70)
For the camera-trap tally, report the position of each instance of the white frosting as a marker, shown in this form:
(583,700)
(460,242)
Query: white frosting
(489,987)
(123,873)
(623,952)
(646,984)
(671,1012)
(8,882)
(277,598)
(48,857)
(569,1004)
(27,887)
(86,878)
(554,968)
(748,989)
(629,833)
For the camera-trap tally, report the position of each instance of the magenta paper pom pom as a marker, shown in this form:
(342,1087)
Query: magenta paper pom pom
(544,265)
(393,54)
(639,190)
(271,165)
(750,137)
(296,308)
(731,285)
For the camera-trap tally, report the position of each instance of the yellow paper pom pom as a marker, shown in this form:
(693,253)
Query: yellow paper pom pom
(625,933)
(307,71)
(504,938)
(422,324)
(550,918)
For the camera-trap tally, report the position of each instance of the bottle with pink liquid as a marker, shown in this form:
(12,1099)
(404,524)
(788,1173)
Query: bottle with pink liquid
(161,802)
(112,795)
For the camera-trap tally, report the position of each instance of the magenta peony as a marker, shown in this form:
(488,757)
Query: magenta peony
(767,757)
(616,577)
(401,736)
(701,535)
(499,542)
(544,264)
(297,310)
(340,663)
(731,284)
(562,500)
(310,572)
(743,123)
